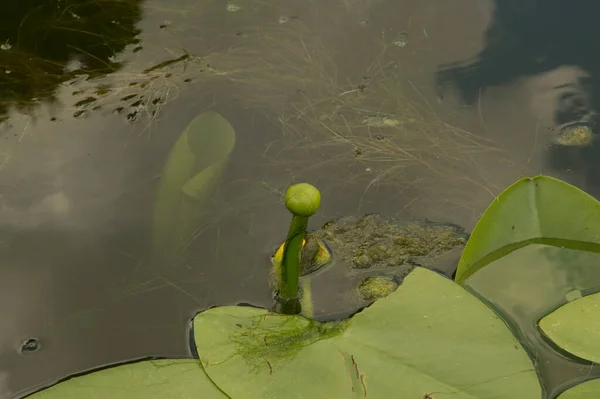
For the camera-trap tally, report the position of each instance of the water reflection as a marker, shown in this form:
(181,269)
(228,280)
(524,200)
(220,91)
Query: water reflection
(537,39)
(46,43)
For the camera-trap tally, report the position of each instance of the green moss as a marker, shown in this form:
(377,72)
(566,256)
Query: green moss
(412,245)
(277,339)
(362,260)
(423,239)
(378,253)
(376,287)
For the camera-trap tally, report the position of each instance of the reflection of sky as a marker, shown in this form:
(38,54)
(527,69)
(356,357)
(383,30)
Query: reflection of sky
(546,50)
(75,195)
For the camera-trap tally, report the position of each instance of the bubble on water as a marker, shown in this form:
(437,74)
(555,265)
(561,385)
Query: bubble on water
(572,295)
(401,40)
(231,7)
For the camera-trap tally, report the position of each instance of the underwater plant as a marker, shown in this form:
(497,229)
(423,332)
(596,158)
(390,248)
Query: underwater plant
(192,169)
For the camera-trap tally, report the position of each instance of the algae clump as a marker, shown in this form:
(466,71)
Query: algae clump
(376,287)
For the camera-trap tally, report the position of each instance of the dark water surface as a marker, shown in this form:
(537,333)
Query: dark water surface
(409,108)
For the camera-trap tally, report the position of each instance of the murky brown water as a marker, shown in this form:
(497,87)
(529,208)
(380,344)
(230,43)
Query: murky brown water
(344,95)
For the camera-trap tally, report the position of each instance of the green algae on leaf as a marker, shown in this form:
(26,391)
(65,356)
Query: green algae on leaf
(538,210)
(575,327)
(409,344)
(149,379)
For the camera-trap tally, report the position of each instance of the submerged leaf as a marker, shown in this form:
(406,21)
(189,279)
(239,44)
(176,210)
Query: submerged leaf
(575,327)
(587,390)
(149,379)
(409,344)
(540,210)
(193,168)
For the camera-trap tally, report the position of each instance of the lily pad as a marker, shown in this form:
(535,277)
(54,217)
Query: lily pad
(149,379)
(430,336)
(587,390)
(540,210)
(575,327)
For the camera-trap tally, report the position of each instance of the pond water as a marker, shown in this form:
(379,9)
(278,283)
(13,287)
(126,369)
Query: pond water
(408,108)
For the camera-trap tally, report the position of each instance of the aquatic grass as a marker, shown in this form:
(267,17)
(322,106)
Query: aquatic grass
(394,138)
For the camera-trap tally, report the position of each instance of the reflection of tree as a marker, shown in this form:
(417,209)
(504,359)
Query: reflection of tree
(528,37)
(46,42)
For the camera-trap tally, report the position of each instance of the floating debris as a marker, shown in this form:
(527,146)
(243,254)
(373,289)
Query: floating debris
(6,45)
(575,135)
(380,121)
(132,116)
(30,345)
(79,114)
(283,19)
(167,63)
(85,101)
(366,81)
(233,7)
(101,91)
(129,97)
(401,40)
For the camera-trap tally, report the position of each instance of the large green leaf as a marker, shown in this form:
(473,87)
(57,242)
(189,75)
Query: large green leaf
(430,336)
(193,168)
(587,390)
(575,327)
(540,210)
(149,379)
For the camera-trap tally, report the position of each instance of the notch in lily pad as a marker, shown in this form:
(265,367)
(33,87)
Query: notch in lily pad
(302,200)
